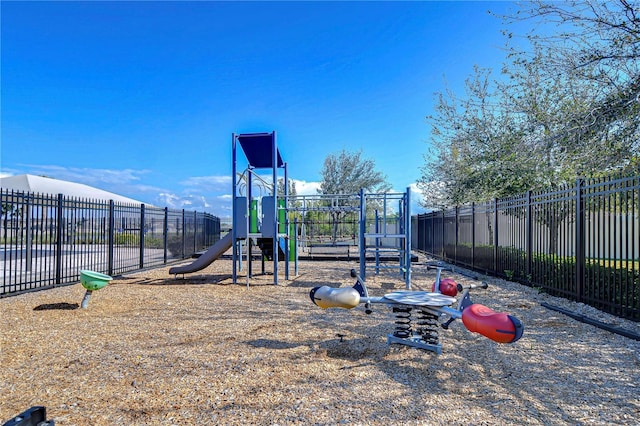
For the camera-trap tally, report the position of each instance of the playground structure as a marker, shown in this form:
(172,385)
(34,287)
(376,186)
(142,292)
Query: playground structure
(430,307)
(378,228)
(261,152)
(327,225)
(34,416)
(270,233)
(265,216)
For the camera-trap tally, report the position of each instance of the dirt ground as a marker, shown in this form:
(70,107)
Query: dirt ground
(151,349)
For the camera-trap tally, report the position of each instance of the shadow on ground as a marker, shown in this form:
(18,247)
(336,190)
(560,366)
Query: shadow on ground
(62,306)
(220,279)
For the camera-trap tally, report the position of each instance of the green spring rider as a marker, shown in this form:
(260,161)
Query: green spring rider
(92,281)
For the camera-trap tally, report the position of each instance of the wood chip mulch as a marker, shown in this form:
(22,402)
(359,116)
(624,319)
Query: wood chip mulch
(151,349)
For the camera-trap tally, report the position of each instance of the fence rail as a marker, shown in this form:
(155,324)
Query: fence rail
(581,242)
(46,239)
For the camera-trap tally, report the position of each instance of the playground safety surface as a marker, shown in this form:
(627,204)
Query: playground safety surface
(151,349)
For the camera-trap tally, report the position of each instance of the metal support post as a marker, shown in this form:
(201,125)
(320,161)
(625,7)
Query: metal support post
(407,243)
(363,241)
(233,208)
(274,170)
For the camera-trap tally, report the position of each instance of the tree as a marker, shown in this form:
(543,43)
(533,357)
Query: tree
(347,172)
(590,61)
(292,192)
(566,107)
(478,152)
(344,174)
(10,213)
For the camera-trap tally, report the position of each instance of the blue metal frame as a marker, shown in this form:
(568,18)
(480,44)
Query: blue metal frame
(404,247)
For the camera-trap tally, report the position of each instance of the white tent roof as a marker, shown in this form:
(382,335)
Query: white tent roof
(45,185)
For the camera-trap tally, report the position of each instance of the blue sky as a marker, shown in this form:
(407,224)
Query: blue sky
(141,98)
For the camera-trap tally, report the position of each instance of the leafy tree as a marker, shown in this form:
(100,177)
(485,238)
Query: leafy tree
(10,213)
(292,193)
(292,188)
(478,151)
(567,107)
(345,174)
(589,68)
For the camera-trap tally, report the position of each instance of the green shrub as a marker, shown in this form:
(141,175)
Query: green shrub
(153,242)
(126,239)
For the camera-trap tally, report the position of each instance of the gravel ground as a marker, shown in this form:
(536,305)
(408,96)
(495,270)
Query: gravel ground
(151,349)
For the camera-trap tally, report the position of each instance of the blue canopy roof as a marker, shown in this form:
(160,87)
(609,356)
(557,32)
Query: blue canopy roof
(258,148)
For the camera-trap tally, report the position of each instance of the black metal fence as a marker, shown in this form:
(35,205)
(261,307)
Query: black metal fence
(581,242)
(45,240)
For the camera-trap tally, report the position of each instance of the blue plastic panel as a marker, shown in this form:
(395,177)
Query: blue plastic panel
(268,217)
(240,214)
(258,148)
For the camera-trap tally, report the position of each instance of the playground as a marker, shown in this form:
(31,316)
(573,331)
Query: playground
(151,349)
(259,330)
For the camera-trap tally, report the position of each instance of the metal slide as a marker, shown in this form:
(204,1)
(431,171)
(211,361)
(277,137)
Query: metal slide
(214,252)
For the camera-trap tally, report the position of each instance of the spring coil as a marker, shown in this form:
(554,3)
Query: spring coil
(403,322)
(428,327)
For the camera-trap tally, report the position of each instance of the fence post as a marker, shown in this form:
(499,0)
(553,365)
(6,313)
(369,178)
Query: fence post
(184,234)
(473,235)
(195,231)
(110,237)
(59,241)
(28,233)
(457,229)
(165,232)
(580,240)
(141,236)
(442,235)
(495,235)
(432,218)
(528,234)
